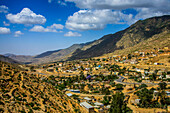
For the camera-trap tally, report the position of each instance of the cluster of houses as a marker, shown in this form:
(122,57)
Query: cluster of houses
(95,66)
(92,105)
(142,57)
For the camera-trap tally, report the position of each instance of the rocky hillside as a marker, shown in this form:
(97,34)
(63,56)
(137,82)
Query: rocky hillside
(28,92)
(128,38)
(9,60)
(20,58)
(124,41)
(157,41)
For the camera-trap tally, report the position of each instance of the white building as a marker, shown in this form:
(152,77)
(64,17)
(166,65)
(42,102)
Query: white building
(167,76)
(87,106)
(98,104)
(87,98)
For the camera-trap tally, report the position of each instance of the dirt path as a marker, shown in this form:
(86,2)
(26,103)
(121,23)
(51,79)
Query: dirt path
(145,110)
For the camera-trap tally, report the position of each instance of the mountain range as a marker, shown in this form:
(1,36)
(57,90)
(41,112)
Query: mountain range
(144,34)
(9,60)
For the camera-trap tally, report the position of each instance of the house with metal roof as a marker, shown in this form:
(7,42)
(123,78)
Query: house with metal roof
(99,104)
(69,94)
(87,98)
(87,106)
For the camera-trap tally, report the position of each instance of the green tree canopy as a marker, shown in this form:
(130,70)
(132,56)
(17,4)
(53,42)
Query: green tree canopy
(118,105)
(162,85)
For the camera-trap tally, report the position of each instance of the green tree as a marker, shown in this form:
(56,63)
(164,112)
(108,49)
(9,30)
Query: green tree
(117,104)
(119,86)
(82,77)
(163,97)
(105,100)
(162,85)
(105,91)
(56,68)
(145,97)
(129,56)
(82,68)
(153,77)
(82,86)
(32,68)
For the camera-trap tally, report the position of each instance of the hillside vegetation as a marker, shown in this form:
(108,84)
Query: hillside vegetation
(23,92)
(157,41)
(143,32)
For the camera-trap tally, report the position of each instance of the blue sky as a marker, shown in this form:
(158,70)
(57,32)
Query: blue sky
(30,27)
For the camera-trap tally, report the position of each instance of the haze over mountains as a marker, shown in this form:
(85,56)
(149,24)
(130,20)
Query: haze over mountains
(144,34)
(6,59)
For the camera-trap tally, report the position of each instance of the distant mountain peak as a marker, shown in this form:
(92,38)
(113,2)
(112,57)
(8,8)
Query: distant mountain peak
(8,54)
(9,60)
(139,32)
(131,36)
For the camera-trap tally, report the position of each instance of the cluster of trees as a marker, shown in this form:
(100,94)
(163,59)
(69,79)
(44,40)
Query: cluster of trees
(114,68)
(106,100)
(141,86)
(105,90)
(118,105)
(101,77)
(146,97)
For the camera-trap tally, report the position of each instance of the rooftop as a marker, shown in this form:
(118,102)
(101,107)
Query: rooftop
(87,98)
(69,94)
(99,104)
(86,105)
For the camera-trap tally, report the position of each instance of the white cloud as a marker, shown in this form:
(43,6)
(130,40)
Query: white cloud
(39,28)
(4,30)
(121,4)
(52,28)
(96,19)
(144,13)
(72,34)
(18,33)
(61,2)
(49,1)
(59,20)
(3,9)
(26,16)
(56,26)
(99,13)
(6,24)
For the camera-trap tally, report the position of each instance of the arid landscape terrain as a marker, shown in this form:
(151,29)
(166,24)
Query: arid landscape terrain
(84,56)
(133,78)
